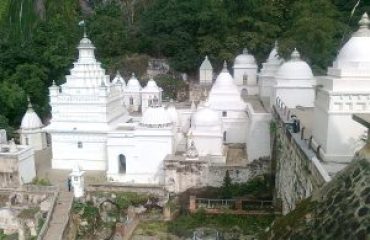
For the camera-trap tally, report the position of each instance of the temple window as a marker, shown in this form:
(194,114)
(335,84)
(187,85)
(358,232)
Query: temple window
(131,101)
(224,114)
(79,145)
(122,163)
(245,79)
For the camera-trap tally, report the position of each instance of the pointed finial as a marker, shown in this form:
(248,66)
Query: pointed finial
(364,21)
(295,55)
(206,57)
(245,51)
(53,84)
(118,73)
(276,45)
(224,69)
(133,75)
(29,106)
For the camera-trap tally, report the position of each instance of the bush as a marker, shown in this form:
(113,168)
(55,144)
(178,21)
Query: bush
(41,182)
(258,187)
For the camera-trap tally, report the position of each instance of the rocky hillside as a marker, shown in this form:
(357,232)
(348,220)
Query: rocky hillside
(340,210)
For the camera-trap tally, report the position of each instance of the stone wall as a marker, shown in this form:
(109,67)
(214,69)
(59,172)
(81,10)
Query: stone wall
(339,210)
(298,171)
(120,187)
(182,175)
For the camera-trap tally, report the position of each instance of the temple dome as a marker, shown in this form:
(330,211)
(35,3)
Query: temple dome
(357,49)
(151,86)
(118,79)
(206,117)
(274,55)
(206,64)
(295,68)
(133,84)
(244,59)
(30,119)
(224,81)
(155,117)
(85,42)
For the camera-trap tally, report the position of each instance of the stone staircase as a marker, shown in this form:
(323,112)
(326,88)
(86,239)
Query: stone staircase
(60,217)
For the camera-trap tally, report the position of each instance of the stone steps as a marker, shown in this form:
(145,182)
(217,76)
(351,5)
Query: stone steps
(60,216)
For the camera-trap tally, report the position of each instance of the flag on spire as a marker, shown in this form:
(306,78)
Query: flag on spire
(81,23)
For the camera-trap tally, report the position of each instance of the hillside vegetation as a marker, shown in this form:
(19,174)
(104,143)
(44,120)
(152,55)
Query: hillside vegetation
(38,37)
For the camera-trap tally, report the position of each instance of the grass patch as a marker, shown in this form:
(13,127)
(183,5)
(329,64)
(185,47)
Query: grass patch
(185,224)
(41,182)
(154,228)
(28,213)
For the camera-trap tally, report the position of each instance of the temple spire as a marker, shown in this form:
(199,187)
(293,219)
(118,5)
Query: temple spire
(224,69)
(295,55)
(363,30)
(29,105)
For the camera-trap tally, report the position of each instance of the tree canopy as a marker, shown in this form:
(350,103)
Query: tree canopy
(39,37)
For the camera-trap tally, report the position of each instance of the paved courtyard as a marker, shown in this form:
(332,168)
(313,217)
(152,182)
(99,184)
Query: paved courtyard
(59,177)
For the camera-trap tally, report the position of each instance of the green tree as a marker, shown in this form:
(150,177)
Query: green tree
(226,186)
(12,102)
(315,31)
(170,85)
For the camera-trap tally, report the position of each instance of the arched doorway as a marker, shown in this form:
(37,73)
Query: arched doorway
(224,136)
(122,163)
(244,93)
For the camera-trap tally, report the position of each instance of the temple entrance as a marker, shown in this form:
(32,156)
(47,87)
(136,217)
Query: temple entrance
(122,163)
(244,93)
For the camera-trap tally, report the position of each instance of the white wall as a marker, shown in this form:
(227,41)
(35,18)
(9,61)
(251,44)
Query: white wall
(266,84)
(258,135)
(36,139)
(26,167)
(92,155)
(240,72)
(205,76)
(208,142)
(144,154)
(293,97)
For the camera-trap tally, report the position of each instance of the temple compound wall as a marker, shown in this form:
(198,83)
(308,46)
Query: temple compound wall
(182,174)
(298,170)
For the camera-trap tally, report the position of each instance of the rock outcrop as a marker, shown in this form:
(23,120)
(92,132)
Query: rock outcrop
(339,210)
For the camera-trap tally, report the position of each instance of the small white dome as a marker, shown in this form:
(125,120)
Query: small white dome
(206,117)
(85,42)
(173,114)
(224,82)
(357,49)
(274,55)
(133,84)
(30,119)
(118,79)
(156,117)
(206,64)
(151,86)
(244,59)
(295,68)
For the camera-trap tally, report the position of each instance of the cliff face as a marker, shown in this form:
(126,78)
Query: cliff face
(339,210)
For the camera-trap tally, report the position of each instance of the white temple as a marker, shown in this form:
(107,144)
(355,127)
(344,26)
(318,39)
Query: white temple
(128,132)
(31,132)
(344,91)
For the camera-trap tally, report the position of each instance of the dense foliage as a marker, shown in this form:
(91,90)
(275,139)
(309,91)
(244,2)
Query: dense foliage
(38,37)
